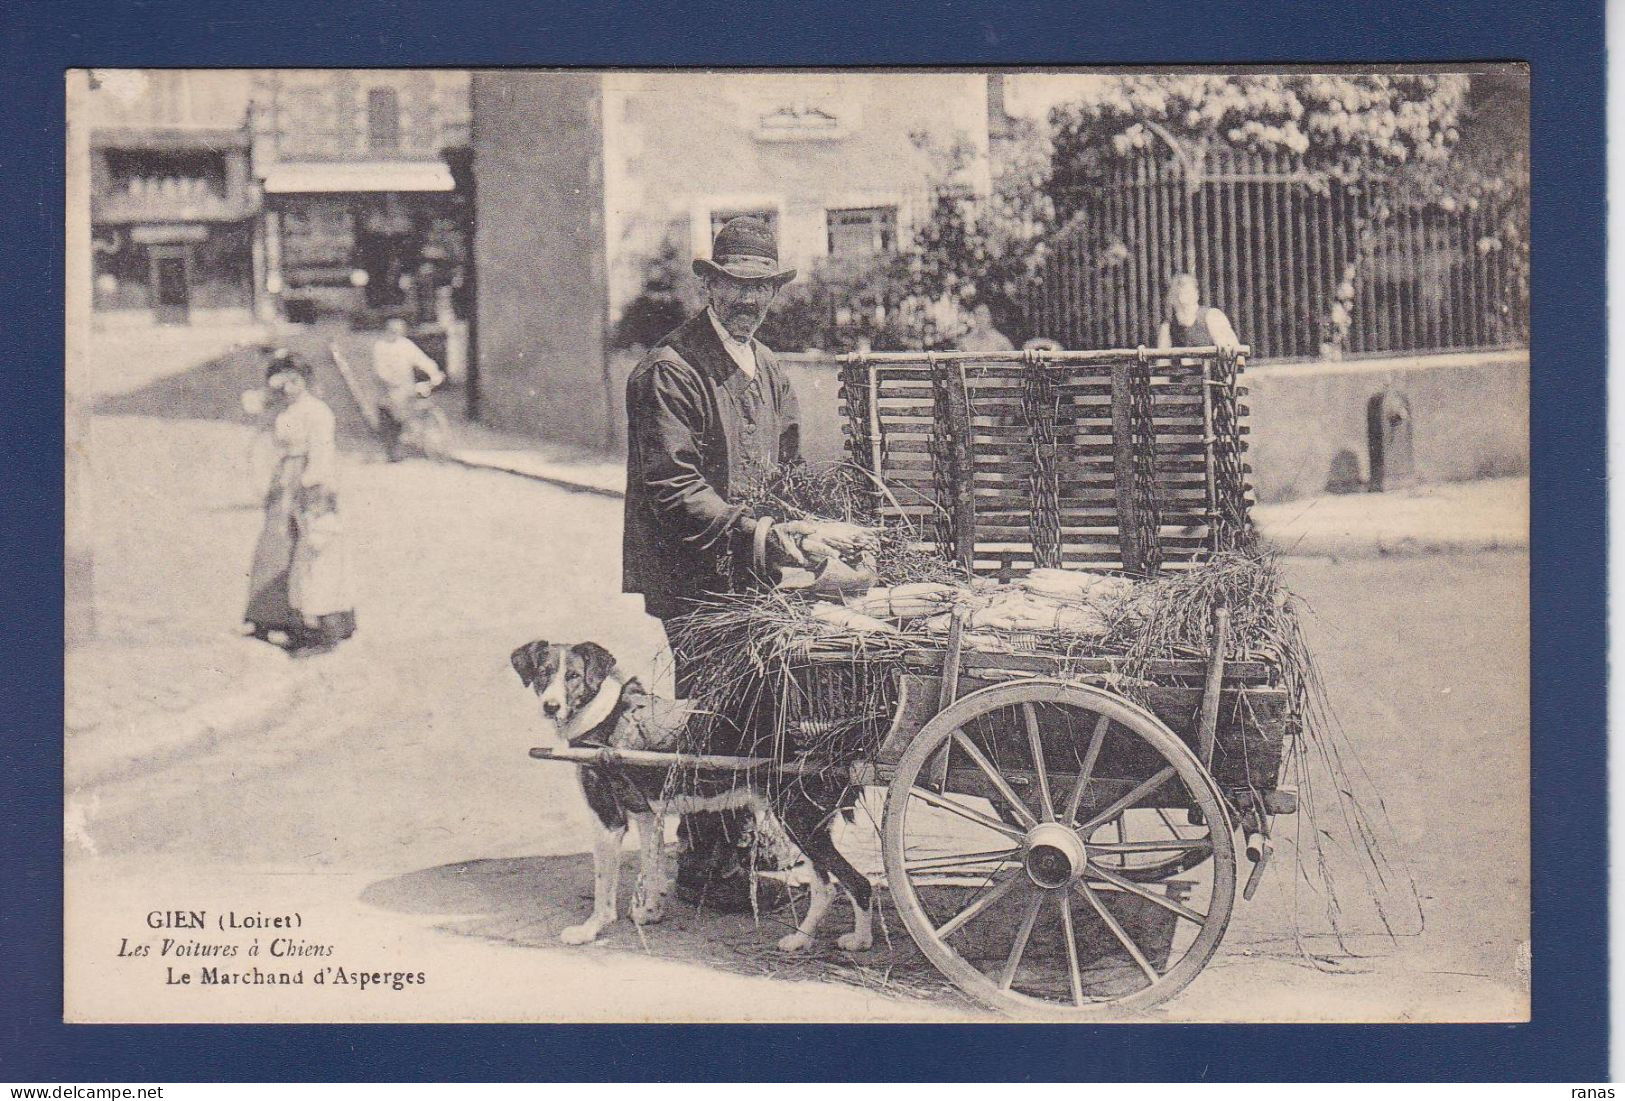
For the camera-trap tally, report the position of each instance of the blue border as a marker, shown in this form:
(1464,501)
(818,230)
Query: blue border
(1563,41)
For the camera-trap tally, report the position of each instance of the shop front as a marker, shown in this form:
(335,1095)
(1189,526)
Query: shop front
(363,241)
(172,224)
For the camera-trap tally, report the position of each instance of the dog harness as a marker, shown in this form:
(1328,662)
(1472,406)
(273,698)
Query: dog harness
(598,709)
(641,720)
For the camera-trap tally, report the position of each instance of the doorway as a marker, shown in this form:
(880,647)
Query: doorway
(171,284)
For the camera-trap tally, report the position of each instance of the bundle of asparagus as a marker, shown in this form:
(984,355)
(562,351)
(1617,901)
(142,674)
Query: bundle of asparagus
(1077,586)
(916,601)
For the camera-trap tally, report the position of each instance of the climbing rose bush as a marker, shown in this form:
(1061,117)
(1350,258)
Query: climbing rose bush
(1349,127)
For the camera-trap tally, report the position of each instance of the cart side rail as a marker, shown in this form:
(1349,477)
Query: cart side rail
(1118,459)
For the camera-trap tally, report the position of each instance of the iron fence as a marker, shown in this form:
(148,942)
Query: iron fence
(1301,264)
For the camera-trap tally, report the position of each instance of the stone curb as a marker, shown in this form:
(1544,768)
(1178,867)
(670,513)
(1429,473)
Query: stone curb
(553,476)
(1308,544)
(369,409)
(1321,545)
(113,750)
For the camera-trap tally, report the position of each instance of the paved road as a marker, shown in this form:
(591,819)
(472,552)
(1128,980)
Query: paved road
(392,802)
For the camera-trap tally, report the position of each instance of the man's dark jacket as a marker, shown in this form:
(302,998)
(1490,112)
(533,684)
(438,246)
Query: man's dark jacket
(696,427)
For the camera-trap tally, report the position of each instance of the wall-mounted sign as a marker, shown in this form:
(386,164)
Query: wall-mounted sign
(168,235)
(799,107)
(800,121)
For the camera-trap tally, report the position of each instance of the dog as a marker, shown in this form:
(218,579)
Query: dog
(586,700)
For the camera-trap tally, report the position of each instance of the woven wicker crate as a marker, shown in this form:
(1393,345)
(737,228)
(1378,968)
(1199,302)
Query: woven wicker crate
(1126,459)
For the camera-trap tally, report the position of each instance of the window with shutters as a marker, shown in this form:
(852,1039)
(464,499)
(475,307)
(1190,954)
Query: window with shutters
(863,231)
(383,120)
(720,218)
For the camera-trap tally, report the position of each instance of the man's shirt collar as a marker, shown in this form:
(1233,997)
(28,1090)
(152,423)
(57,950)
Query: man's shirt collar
(740,351)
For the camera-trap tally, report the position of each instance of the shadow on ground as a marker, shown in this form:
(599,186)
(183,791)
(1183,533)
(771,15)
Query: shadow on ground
(526,901)
(213,391)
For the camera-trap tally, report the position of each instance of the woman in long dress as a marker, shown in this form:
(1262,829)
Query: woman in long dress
(299,583)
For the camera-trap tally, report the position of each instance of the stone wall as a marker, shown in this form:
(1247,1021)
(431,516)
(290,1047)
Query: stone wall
(1470,415)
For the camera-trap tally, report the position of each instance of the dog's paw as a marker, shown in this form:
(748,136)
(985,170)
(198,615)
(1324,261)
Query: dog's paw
(649,913)
(585,933)
(856,941)
(795,942)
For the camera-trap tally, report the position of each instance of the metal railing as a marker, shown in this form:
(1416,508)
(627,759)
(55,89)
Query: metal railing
(1301,264)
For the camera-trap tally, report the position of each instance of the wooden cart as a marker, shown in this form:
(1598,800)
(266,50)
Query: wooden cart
(1060,833)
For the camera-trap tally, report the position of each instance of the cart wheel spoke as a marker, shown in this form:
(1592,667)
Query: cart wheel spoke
(1135,794)
(1071,936)
(1087,769)
(1146,893)
(942,802)
(959,860)
(977,908)
(1125,926)
(1023,935)
(1118,932)
(1035,744)
(1000,784)
(1168,822)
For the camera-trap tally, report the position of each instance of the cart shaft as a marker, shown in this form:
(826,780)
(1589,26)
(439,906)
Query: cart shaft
(643,758)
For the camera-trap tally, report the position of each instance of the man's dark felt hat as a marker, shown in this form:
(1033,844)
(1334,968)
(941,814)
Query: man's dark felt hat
(745,249)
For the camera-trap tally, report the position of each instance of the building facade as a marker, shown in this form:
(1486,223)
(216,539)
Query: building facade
(359,169)
(841,164)
(173,200)
(584,181)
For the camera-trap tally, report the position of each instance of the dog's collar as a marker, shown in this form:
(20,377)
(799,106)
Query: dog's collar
(599,708)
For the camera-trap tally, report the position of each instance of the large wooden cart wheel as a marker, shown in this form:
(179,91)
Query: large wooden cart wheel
(1072,909)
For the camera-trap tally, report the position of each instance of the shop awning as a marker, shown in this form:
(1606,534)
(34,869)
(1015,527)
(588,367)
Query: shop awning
(294,178)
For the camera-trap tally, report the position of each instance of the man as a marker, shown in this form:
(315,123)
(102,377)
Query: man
(706,405)
(1192,324)
(406,372)
(983,337)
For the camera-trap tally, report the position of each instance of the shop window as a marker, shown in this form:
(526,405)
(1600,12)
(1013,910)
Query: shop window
(167,175)
(318,234)
(863,231)
(383,119)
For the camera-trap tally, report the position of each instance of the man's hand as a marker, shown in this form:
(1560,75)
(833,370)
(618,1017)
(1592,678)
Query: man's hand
(1224,336)
(783,549)
(829,538)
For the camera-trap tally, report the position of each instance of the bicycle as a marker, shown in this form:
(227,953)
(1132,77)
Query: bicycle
(425,428)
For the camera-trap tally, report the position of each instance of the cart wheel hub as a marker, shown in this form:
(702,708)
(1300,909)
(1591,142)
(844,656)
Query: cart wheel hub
(1054,855)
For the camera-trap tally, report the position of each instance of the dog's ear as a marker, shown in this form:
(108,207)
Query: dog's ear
(525,661)
(596,662)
